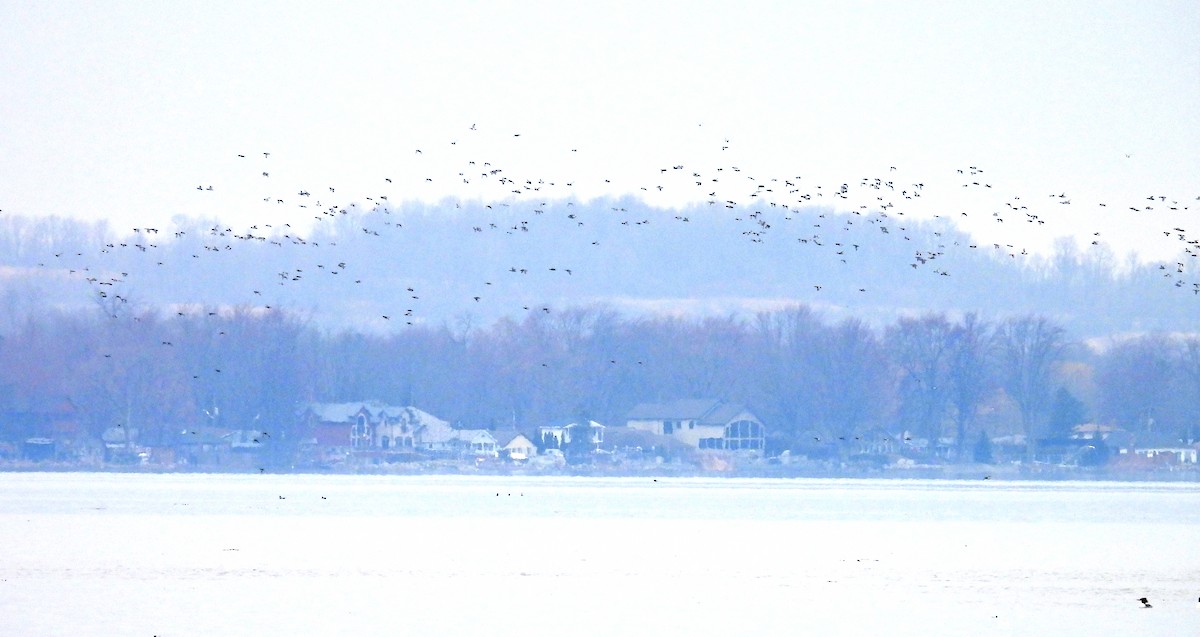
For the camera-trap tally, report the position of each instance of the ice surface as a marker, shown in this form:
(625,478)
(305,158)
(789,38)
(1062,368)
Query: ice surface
(107,554)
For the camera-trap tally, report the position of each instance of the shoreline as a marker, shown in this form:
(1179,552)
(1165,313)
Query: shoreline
(993,473)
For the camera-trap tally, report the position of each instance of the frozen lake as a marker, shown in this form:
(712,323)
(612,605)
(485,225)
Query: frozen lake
(171,555)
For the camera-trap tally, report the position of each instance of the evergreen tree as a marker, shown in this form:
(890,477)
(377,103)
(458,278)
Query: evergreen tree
(1094,455)
(578,448)
(1066,412)
(983,449)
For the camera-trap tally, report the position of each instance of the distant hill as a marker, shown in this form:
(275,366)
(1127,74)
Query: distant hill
(473,262)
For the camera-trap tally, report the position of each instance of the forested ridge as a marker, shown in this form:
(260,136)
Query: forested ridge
(239,327)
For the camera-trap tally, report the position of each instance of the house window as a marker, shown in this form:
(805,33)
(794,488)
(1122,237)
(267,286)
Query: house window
(383,442)
(691,424)
(744,434)
(668,427)
(360,432)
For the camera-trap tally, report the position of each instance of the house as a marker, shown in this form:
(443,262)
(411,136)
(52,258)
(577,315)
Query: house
(374,426)
(44,433)
(38,449)
(246,440)
(1166,450)
(203,446)
(408,428)
(1057,450)
(877,441)
(514,445)
(328,442)
(1090,431)
(120,444)
(475,442)
(247,447)
(559,436)
(1154,448)
(375,429)
(434,435)
(702,424)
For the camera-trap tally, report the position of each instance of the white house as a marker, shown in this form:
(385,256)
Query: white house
(515,445)
(371,425)
(476,442)
(559,436)
(1159,446)
(1178,455)
(245,439)
(703,424)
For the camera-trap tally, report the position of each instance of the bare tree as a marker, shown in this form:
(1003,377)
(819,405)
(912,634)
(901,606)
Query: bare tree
(808,376)
(1190,364)
(1140,383)
(1027,349)
(921,349)
(784,345)
(969,368)
(134,381)
(853,373)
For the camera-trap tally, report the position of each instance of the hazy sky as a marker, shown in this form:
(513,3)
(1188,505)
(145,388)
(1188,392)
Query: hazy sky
(118,110)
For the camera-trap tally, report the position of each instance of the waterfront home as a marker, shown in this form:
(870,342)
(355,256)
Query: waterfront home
(560,436)
(374,426)
(479,443)
(515,445)
(702,424)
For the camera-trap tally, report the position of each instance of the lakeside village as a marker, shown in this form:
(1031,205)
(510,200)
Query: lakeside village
(681,437)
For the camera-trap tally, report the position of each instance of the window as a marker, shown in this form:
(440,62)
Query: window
(668,427)
(360,432)
(383,442)
(744,434)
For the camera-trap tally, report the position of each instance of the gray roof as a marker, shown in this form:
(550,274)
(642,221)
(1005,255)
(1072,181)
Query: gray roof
(341,412)
(473,436)
(432,428)
(712,412)
(505,436)
(591,423)
(1159,440)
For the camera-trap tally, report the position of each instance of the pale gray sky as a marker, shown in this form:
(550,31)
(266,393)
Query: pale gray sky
(118,110)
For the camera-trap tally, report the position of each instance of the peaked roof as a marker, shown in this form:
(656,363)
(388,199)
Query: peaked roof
(338,412)
(474,436)
(711,411)
(343,412)
(591,423)
(505,434)
(506,438)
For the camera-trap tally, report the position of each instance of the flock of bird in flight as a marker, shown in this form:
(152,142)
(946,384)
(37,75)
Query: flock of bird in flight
(764,204)
(727,188)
